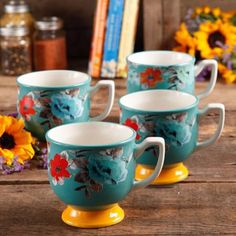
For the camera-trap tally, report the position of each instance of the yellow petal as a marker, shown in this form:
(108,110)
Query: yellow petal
(23,154)
(16,127)
(7,154)
(198,10)
(216,11)
(7,121)
(23,137)
(2,129)
(206,9)
(28,151)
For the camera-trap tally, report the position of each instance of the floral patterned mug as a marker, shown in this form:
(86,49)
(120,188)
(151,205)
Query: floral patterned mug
(92,168)
(167,70)
(50,98)
(174,116)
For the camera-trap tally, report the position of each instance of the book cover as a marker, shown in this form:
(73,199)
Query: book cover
(112,38)
(99,26)
(128,33)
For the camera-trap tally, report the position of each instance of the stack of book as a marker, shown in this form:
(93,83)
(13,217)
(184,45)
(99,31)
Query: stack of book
(113,39)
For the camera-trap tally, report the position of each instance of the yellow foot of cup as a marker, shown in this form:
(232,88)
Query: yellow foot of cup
(93,219)
(169,175)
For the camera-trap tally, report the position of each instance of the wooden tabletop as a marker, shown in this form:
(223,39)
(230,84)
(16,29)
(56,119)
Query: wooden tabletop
(203,204)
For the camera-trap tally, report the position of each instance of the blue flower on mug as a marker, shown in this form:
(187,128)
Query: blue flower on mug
(107,171)
(94,169)
(66,107)
(174,132)
(52,108)
(175,128)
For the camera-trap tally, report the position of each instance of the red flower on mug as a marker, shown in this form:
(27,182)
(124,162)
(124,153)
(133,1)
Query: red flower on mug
(58,169)
(133,124)
(26,107)
(150,77)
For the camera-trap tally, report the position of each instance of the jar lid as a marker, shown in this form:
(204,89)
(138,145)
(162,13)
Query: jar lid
(14,31)
(49,23)
(16,7)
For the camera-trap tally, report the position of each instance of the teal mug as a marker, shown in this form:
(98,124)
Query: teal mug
(167,70)
(174,116)
(92,168)
(50,98)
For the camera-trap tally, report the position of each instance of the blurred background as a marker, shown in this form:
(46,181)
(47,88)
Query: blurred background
(157,22)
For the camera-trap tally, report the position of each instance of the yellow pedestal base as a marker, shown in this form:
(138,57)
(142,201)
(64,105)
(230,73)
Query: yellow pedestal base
(169,175)
(93,219)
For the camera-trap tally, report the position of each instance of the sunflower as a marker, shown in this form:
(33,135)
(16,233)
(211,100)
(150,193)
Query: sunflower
(212,37)
(228,75)
(186,42)
(14,140)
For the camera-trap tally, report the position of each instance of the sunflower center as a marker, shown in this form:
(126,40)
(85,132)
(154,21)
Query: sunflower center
(7,141)
(215,37)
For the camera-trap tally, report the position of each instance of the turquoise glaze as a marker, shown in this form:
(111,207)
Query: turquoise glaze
(90,175)
(93,177)
(179,76)
(179,128)
(43,108)
(54,97)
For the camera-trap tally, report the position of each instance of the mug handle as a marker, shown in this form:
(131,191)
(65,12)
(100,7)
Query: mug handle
(221,108)
(140,148)
(111,94)
(214,69)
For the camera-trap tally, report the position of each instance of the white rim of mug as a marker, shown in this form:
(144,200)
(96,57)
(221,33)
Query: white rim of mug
(118,143)
(143,111)
(192,61)
(87,81)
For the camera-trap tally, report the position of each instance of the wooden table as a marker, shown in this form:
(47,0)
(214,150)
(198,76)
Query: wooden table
(204,204)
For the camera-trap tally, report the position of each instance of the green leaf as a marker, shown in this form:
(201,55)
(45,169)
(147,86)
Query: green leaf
(207,17)
(233,20)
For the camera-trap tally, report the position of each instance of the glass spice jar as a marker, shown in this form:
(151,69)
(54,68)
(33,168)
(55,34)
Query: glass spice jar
(17,13)
(15,47)
(49,44)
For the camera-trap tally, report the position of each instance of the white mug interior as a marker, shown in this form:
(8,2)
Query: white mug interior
(90,134)
(53,78)
(160,58)
(158,100)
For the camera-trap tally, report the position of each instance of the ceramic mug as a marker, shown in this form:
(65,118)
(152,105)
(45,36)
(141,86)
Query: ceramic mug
(167,70)
(174,116)
(92,168)
(50,98)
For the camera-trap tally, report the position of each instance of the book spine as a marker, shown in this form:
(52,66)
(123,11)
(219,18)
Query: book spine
(98,38)
(112,39)
(128,33)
